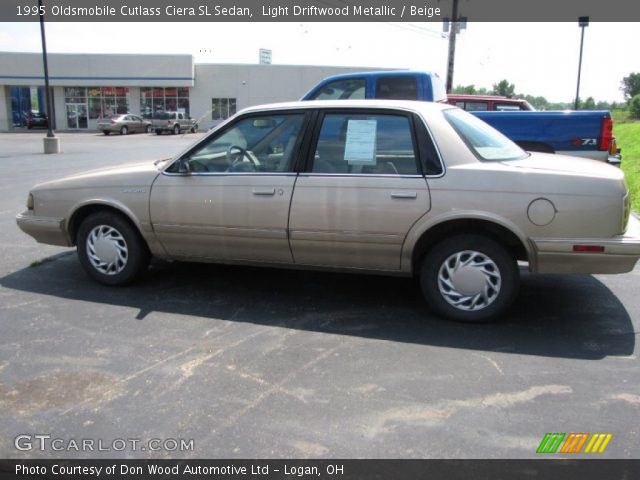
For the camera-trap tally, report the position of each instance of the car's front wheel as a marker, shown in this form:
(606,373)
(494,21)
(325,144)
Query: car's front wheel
(469,278)
(124,130)
(110,249)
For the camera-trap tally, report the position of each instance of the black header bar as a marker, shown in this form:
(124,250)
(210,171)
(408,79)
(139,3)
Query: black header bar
(318,10)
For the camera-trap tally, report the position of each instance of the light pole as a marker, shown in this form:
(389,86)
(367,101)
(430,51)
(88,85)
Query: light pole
(582,22)
(51,142)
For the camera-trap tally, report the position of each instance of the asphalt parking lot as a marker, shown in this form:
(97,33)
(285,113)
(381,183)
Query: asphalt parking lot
(263,363)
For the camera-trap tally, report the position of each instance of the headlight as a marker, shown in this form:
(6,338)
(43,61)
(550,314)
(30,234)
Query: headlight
(30,202)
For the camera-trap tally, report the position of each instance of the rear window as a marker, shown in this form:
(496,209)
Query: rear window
(397,88)
(485,141)
(162,116)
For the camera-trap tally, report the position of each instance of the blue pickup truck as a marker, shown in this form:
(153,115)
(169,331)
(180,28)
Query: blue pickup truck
(585,133)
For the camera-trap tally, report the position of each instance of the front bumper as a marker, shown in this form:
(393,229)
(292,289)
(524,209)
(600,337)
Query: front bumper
(44,229)
(620,253)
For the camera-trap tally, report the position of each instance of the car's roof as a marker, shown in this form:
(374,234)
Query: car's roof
(412,105)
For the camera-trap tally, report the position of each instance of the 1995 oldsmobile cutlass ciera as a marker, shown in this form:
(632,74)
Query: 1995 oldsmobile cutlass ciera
(392,187)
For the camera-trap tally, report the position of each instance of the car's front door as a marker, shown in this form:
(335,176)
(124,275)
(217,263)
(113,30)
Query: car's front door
(228,198)
(363,192)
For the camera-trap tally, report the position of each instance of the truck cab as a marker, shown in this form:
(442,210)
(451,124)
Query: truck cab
(395,84)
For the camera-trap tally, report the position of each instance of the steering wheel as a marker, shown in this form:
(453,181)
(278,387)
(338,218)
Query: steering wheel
(240,155)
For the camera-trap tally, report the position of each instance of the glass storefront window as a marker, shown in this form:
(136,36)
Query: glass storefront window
(94,102)
(158,99)
(222,108)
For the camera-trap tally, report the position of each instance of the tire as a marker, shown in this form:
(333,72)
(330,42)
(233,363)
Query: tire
(124,130)
(158,131)
(106,132)
(147,129)
(176,130)
(469,278)
(194,129)
(110,249)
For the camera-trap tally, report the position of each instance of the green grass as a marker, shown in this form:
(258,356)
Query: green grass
(628,138)
(620,116)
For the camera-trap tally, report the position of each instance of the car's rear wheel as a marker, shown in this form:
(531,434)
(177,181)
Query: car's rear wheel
(469,278)
(124,130)
(147,129)
(110,249)
(194,129)
(176,129)
(158,131)
(106,132)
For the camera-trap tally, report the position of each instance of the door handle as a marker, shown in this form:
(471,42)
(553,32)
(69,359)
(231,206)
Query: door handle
(264,191)
(409,195)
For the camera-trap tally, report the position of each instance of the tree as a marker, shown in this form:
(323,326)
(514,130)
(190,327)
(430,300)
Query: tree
(630,85)
(634,106)
(588,104)
(465,90)
(504,88)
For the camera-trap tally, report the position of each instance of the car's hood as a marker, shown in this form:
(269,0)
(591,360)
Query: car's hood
(560,164)
(129,175)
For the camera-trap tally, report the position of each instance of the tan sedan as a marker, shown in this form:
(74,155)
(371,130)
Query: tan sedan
(125,124)
(390,187)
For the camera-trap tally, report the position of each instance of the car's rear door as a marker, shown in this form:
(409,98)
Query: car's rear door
(233,201)
(361,192)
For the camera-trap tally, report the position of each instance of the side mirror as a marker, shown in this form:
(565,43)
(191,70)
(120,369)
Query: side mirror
(184,166)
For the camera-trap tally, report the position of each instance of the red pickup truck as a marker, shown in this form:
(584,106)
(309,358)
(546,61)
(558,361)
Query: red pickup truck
(483,103)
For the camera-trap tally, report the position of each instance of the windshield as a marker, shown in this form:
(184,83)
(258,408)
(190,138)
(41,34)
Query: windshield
(485,141)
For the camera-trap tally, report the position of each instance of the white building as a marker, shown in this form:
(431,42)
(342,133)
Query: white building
(87,87)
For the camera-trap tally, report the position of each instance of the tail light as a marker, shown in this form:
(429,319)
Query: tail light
(606,134)
(113,122)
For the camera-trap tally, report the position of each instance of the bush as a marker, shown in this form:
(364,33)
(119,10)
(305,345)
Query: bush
(634,106)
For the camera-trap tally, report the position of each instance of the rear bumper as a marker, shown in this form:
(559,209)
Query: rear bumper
(44,229)
(620,253)
(615,160)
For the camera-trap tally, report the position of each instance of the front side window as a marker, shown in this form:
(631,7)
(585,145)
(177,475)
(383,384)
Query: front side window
(353,88)
(261,144)
(486,142)
(365,144)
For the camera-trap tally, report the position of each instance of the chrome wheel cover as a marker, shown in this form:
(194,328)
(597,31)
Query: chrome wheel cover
(469,280)
(107,250)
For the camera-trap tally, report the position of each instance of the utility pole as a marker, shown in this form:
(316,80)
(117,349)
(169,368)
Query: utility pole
(452,45)
(582,23)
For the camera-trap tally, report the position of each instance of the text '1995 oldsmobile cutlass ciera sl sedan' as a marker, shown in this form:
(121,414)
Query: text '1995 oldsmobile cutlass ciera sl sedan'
(392,187)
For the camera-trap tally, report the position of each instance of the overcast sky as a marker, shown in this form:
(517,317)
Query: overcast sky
(540,58)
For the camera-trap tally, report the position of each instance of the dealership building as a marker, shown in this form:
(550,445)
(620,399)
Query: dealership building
(88,87)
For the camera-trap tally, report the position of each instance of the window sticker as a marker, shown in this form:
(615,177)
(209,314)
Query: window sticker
(360,146)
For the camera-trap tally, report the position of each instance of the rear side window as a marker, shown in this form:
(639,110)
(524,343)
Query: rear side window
(365,144)
(476,106)
(353,88)
(508,107)
(398,88)
(486,142)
